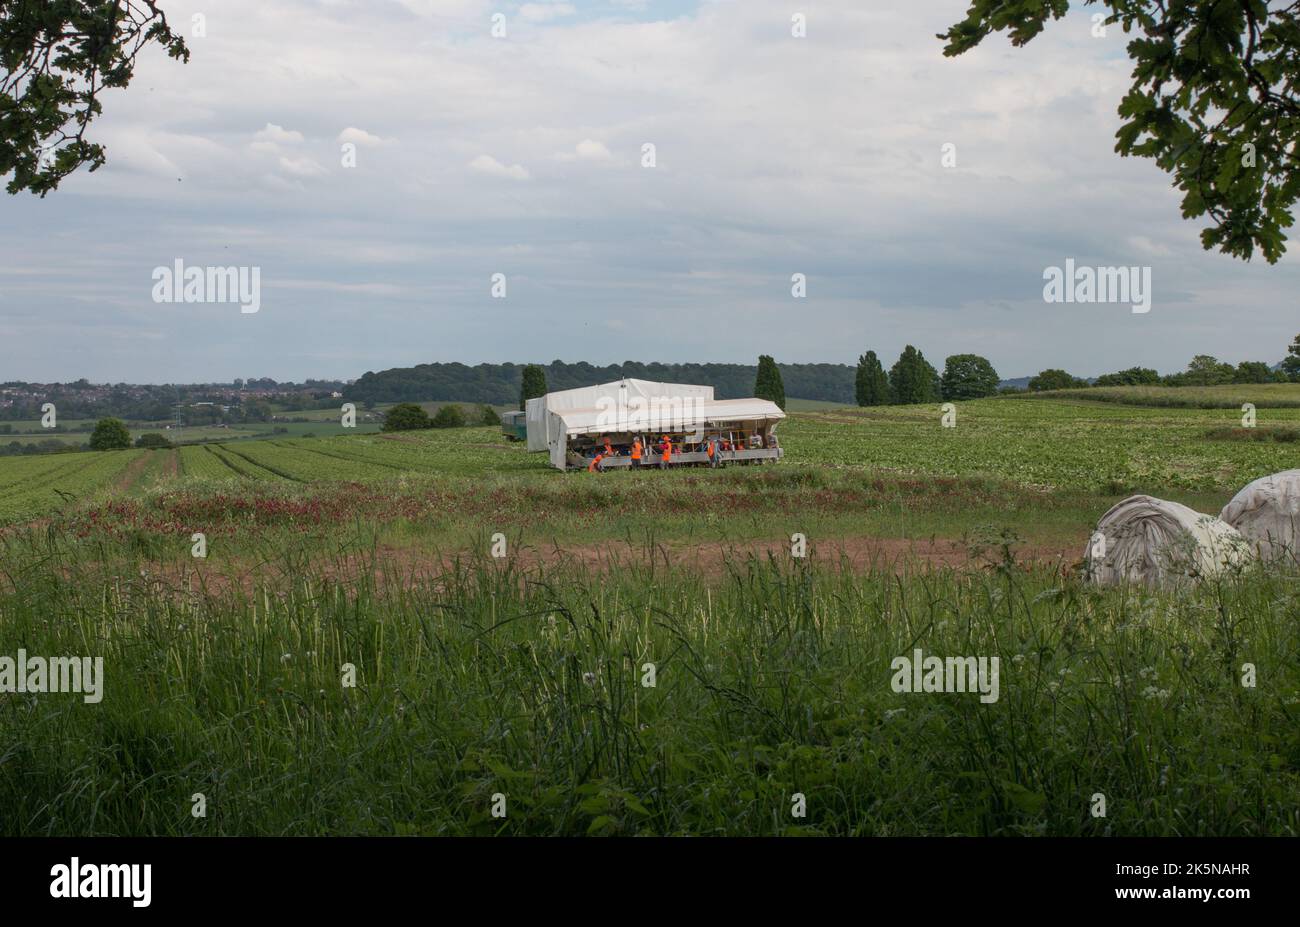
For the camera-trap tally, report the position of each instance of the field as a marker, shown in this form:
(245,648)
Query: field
(1261,395)
(525,676)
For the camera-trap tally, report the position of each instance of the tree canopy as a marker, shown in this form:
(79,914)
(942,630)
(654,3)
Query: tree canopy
(110,434)
(871,385)
(532,385)
(1213,102)
(768,383)
(968,376)
(912,379)
(406,416)
(56,58)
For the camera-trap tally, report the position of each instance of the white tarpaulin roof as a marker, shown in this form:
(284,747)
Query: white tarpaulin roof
(1156,542)
(540,430)
(1267,513)
(651,421)
(653,418)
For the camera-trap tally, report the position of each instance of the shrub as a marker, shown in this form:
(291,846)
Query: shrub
(405,416)
(452,416)
(110,434)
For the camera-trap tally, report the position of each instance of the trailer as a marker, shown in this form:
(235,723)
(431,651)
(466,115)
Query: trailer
(514,426)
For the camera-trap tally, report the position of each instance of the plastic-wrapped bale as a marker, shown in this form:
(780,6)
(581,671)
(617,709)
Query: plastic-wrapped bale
(1267,513)
(1157,543)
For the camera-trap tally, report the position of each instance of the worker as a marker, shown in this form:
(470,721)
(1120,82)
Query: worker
(666,458)
(712,451)
(636,451)
(609,451)
(595,463)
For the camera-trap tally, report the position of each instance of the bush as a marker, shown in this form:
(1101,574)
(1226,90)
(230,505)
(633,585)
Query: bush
(452,416)
(1055,379)
(110,435)
(489,416)
(405,416)
(152,440)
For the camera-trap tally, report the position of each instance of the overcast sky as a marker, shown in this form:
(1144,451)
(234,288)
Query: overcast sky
(522,155)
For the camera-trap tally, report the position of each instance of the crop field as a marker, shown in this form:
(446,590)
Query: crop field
(474,676)
(1231,396)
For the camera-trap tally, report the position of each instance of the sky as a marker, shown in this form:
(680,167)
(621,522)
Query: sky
(522,155)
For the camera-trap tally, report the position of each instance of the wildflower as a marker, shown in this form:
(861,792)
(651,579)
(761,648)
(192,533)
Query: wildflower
(286,657)
(1018,658)
(589,678)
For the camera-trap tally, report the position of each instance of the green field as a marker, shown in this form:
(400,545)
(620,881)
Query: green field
(524,676)
(1261,395)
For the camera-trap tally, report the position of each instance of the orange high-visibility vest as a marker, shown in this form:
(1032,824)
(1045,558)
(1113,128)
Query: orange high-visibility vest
(595,462)
(636,450)
(711,446)
(668,449)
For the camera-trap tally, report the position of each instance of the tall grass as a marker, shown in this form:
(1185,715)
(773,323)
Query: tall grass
(482,679)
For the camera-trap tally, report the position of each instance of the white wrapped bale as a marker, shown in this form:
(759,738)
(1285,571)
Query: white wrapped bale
(1267,513)
(1158,543)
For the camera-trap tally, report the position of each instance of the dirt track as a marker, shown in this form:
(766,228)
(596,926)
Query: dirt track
(413,567)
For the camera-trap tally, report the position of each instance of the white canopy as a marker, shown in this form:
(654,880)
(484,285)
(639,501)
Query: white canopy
(654,418)
(622,392)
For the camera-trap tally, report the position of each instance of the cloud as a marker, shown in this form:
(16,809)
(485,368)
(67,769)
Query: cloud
(592,151)
(486,164)
(776,155)
(278,135)
(302,167)
(359,137)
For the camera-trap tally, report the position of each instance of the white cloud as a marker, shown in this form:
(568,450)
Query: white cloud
(775,155)
(302,167)
(486,164)
(359,137)
(592,151)
(278,135)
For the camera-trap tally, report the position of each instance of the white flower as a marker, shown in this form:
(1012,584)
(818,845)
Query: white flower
(589,678)
(286,657)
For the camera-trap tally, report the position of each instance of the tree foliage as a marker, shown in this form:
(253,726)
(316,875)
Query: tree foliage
(912,379)
(1053,378)
(449,416)
(767,382)
(406,416)
(56,58)
(1133,376)
(968,376)
(533,384)
(1213,102)
(110,434)
(1291,363)
(871,383)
